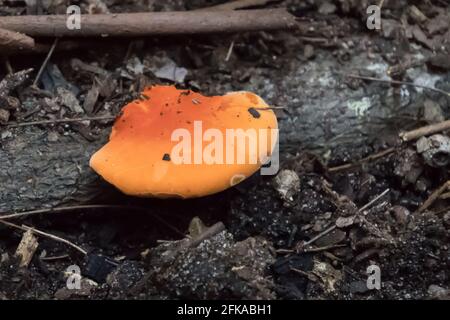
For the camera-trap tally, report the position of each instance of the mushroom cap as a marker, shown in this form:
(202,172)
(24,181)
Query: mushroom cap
(140,158)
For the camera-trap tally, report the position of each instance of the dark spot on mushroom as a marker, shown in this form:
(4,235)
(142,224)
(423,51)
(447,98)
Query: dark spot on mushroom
(178,112)
(185,93)
(255,114)
(161,113)
(167,104)
(166,157)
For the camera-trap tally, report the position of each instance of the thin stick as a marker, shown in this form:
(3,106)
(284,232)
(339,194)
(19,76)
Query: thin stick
(425,131)
(326,248)
(230,51)
(370,158)
(308,275)
(320,235)
(315,39)
(395,82)
(153,23)
(208,233)
(87,207)
(64,256)
(56,210)
(333,227)
(41,122)
(371,202)
(433,197)
(45,234)
(237,4)
(444,210)
(44,64)
(445,196)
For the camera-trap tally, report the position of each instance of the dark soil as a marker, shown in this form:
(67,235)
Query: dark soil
(146,249)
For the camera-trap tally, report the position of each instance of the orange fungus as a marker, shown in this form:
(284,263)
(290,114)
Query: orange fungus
(178,143)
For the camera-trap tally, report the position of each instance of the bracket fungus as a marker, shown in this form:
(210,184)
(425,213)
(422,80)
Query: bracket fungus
(179,143)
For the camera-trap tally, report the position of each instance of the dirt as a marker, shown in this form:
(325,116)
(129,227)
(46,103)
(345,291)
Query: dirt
(147,248)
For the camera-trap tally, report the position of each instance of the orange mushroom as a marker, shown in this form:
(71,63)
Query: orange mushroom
(178,143)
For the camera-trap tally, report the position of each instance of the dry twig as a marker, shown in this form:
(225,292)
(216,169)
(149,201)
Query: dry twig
(63,256)
(44,64)
(355,76)
(237,4)
(230,51)
(86,207)
(334,226)
(320,235)
(370,158)
(309,275)
(433,197)
(41,122)
(153,23)
(208,233)
(325,248)
(44,234)
(12,42)
(425,131)
(371,202)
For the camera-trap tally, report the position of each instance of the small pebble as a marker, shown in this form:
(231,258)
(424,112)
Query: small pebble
(287,183)
(4,116)
(401,214)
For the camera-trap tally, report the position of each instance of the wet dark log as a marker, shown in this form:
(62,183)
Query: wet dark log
(322,115)
(37,173)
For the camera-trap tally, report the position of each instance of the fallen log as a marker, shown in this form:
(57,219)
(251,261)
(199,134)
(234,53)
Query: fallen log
(152,23)
(37,173)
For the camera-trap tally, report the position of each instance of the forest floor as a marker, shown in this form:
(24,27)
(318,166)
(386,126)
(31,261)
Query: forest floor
(359,195)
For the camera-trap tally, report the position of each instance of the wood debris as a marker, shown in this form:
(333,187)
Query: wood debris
(27,247)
